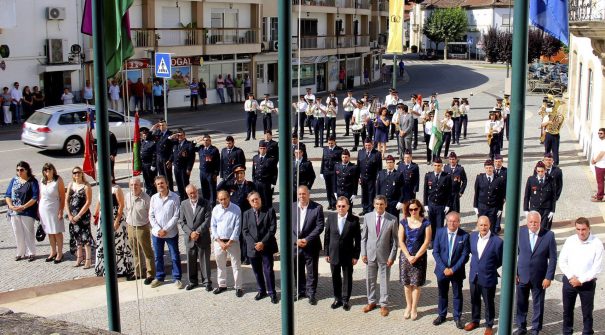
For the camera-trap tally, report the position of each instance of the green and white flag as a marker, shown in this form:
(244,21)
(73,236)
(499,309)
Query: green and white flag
(436,135)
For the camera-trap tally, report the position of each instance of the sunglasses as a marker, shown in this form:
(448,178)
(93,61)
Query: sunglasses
(341,206)
(76,172)
(20,170)
(414,209)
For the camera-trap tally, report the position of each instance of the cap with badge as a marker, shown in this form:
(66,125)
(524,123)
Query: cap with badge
(238,168)
(390,158)
(488,162)
(262,144)
(452,155)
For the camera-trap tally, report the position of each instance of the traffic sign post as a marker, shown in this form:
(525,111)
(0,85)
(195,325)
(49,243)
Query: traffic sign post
(163,69)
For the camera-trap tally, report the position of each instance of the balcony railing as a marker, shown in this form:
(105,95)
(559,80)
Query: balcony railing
(383,6)
(363,4)
(586,10)
(330,42)
(362,41)
(165,37)
(322,3)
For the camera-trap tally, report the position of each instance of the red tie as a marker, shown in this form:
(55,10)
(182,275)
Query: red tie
(378,226)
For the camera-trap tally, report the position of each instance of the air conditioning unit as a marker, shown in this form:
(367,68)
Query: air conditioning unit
(274,45)
(55,13)
(56,50)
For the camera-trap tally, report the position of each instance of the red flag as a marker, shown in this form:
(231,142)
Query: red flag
(136,148)
(89,165)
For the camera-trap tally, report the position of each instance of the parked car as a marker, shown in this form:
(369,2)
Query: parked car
(63,127)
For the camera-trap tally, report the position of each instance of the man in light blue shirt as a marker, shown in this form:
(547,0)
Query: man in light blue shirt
(225,228)
(164,212)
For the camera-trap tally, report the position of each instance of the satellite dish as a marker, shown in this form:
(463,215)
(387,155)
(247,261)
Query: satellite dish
(4,51)
(76,49)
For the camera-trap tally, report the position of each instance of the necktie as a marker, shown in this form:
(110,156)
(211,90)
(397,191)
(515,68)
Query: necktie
(388,173)
(451,249)
(228,152)
(437,177)
(260,160)
(541,181)
(532,241)
(378,222)
(489,180)
(368,154)
(256,215)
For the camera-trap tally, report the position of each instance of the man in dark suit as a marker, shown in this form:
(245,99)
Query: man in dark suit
(451,251)
(411,176)
(536,267)
(272,146)
(259,227)
(163,146)
(369,161)
(500,171)
(437,193)
(230,157)
(555,172)
(209,169)
(486,258)
(264,174)
(194,219)
(303,172)
(390,183)
(489,195)
(148,160)
(459,181)
(342,242)
(296,144)
(182,159)
(331,155)
(541,195)
(307,226)
(347,179)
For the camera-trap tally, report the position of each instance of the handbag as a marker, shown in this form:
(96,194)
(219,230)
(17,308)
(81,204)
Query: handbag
(40,233)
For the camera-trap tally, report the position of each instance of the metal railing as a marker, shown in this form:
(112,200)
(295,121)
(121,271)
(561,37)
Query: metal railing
(330,42)
(383,6)
(362,41)
(167,37)
(363,4)
(232,36)
(586,10)
(322,3)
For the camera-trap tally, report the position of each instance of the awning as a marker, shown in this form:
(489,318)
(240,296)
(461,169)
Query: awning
(58,67)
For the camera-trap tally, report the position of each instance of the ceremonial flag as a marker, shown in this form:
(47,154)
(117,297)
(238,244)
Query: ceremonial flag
(116,26)
(395,42)
(436,135)
(136,148)
(90,157)
(552,17)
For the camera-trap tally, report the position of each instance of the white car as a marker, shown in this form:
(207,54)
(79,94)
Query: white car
(63,127)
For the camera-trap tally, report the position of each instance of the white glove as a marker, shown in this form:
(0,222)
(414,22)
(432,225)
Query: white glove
(399,206)
(447,209)
(476,211)
(322,176)
(499,213)
(352,199)
(551,215)
(426,208)
(153,168)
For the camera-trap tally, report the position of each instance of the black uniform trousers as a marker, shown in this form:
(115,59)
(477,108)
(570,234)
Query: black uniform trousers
(546,223)
(447,138)
(342,281)
(318,128)
(266,193)
(492,214)
(202,255)
(457,129)
(162,170)
(415,133)
(551,145)
(306,284)
(194,102)
(208,186)
(570,293)
(494,146)
(250,125)
(464,123)
(506,126)
(487,294)
(348,117)
(309,123)
(182,180)
(330,180)
(267,122)
(148,177)
(299,127)
(368,193)
(429,153)
(356,136)
(330,124)
(537,296)
(263,272)
(436,217)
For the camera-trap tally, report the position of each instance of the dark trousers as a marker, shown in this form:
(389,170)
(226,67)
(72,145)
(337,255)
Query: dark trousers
(138,102)
(263,272)
(455,203)
(458,298)
(551,145)
(309,123)
(182,180)
(267,122)
(148,177)
(546,223)
(436,217)
(162,170)
(415,129)
(494,146)
(506,126)
(266,193)
(456,129)
(175,255)
(356,136)
(330,188)
(537,296)
(330,126)
(299,127)
(208,186)
(250,125)
(464,123)
(194,101)
(318,128)
(447,138)
(348,116)
(306,284)
(199,254)
(491,213)
(429,153)
(342,281)
(149,102)
(488,295)
(368,192)
(600,175)
(570,293)
(158,104)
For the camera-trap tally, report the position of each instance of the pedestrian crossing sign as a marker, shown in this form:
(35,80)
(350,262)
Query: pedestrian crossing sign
(163,64)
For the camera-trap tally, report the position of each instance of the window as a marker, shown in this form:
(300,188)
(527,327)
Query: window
(579,95)
(307,75)
(72,118)
(115,117)
(589,96)
(260,73)
(308,27)
(506,20)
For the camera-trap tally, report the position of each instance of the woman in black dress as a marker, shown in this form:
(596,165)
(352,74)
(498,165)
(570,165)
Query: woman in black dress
(202,91)
(78,200)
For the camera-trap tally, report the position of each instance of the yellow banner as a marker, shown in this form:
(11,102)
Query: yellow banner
(395,43)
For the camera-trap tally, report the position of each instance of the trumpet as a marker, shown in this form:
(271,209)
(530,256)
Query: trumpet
(490,135)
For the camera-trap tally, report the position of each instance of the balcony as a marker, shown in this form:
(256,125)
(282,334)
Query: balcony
(382,6)
(354,4)
(320,3)
(314,42)
(146,38)
(587,19)
(586,10)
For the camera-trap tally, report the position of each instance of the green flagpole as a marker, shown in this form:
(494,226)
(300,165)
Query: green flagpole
(104,173)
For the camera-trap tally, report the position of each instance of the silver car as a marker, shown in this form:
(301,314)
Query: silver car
(63,127)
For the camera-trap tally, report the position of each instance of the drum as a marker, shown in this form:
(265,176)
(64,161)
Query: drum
(356,128)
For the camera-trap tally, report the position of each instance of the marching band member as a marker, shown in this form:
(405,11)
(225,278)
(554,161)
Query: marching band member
(456,117)
(330,119)
(251,106)
(300,107)
(319,113)
(493,129)
(446,126)
(348,104)
(552,123)
(267,108)
(358,122)
(310,99)
(465,108)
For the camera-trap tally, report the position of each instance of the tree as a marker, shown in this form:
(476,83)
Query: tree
(445,25)
(498,46)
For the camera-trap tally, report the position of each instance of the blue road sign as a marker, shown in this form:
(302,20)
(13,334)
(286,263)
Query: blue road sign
(163,67)
(470,40)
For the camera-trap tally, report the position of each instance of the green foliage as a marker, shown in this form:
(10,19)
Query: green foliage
(497,45)
(446,25)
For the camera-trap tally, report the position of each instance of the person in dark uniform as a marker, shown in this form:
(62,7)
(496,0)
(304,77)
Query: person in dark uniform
(369,161)
(148,161)
(390,184)
(554,171)
(231,156)
(500,171)
(163,145)
(182,159)
(437,194)
(331,155)
(411,176)
(490,191)
(239,188)
(272,146)
(296,144)
(264,174)
(347,179)
(541,195)
(209,169)
(304,174)
(459,181)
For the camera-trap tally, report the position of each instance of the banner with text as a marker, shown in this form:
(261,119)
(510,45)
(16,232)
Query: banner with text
(395,45)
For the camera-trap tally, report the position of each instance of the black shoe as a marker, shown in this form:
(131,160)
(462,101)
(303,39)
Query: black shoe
(208,288)
(147,280)
(247,139)
(190,287)
(346,134)
(312,300)
(331,208)
(439,320)
(254,138)
(50,258)
(131,277)
(260,296)
(520,331)
(336,304)
(354,149)
(346,306)
(57,261)
(414,148)
(459,324)
(239,292)
(219,290)
(31,258)
(302,296)
(274,299)
(246,262)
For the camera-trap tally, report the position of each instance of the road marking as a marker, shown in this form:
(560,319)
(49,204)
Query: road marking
(17,149)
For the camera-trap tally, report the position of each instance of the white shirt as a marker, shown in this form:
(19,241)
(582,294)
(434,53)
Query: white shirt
(341,223)
(268,104)
(114,92)
(598,147)
(318,110)
(330,98)
(164,213)
(250,105)
(428,127)
(360,114)
(582,259)
(496,126)
(16,95)
(449,125)
(416,109)
(349,104)
(68,98)
(310,97)
(303,216)
(301,106)
(482,242)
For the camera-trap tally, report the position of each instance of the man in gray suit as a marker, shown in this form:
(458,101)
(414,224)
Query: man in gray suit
(378,252)
(406,128)
(194,219)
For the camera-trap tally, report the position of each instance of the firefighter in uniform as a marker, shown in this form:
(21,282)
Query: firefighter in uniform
(390,184)
(182,159)
(411,176)
(231,156)
(163,145)
(210,161)
(272,146)
(490,191)
(347,179)
(296,144)
(541,195)
(331,155)
(304,174)
(437,194)
(555,172)
(459,181)
(148,160)
(264,174)
(500,171)
(369,161)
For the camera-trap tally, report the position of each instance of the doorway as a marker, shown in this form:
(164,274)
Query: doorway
(53,87)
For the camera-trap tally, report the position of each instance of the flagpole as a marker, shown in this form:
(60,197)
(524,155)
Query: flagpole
(104,174)
(165,107)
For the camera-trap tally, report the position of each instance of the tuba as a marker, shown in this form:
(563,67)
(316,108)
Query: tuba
(556,119)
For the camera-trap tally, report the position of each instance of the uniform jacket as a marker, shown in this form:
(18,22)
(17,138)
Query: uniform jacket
(198,220)
(229,160)
(183,155)
(210,160)
(163,145)
(148,152)
(540,197)
(557,174)
(301,146)
(489,195)
(264,231)
(437,192)
(540,264)
(329,160)
(502,173)
(239,192)
(305,172)
(460,253)
(484,270)
(390,186)
(342,248)
(265,171)
(411,179)
(459,180)
(347,179)
(273,149)
(369,166)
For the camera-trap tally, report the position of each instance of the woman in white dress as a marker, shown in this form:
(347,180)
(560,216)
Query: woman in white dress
(52,198)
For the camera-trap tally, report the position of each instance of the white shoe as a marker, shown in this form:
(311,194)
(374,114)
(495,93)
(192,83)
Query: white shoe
(179,284)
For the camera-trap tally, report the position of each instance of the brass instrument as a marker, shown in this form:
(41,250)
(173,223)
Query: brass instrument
(490,134)
(556,118)
(331,111)
(309,110)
